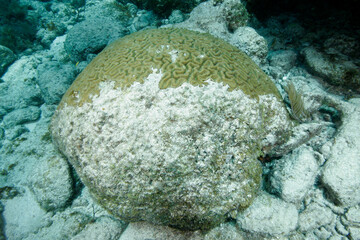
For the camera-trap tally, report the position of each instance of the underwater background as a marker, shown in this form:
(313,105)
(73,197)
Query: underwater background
(310,183)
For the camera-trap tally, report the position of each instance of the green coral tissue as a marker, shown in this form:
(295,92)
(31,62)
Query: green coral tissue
(166,126)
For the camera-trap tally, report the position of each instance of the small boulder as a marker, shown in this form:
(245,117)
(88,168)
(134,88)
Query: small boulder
(54,79)
(91,36)
(176,16)
(353,222)
(164,7)
(226,231)
(269,216)
(15,132)
(336,71)
(340,173)
(104,228)
(235,14)
(143,230)
(6,58)
(285,59)
(294,174)
(23,216)
(144,19)
(206,18)
(315,216)
(19,89)
(51,183)
(250,42)
(21,116)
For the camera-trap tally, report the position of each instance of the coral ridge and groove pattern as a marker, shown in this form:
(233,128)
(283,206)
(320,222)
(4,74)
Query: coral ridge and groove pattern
(181,55)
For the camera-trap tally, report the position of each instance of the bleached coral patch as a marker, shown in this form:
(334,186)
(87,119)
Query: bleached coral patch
(169,155)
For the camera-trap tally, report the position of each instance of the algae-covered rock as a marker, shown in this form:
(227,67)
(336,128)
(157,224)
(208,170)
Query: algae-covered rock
(235,14)
(91,36)
(6,58)
(164,7)
(166,126)
(54,79)
(21,116)
(334,70)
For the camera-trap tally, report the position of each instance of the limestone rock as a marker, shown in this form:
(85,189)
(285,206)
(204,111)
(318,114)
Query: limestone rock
(341,171)
(164,7)
(294,175)
(352,221)
(226,231)
(18,95)
(23,216)
(342,44)
(336,71)
(21,116)
(301,134)
(15,132)
(269,216)
(19,90)
(57,50)
(217,19)
(51,183)
(353,216)
(207,18)
(54,79)
(91,36)
(315,216)
(285,59)
(63,225)
(235,13)
(51,30)
(176,16)
(143,230)
(6,58)
(250,42)
(103,228)
(22,70)
(142,20)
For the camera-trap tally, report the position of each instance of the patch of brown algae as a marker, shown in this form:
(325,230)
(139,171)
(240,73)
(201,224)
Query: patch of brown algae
(166,126)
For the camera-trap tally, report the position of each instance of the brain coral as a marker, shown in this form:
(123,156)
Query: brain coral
(166,126)
(181,55)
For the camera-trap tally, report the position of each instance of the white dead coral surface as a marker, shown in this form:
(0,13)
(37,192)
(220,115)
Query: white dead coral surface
(165,147)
